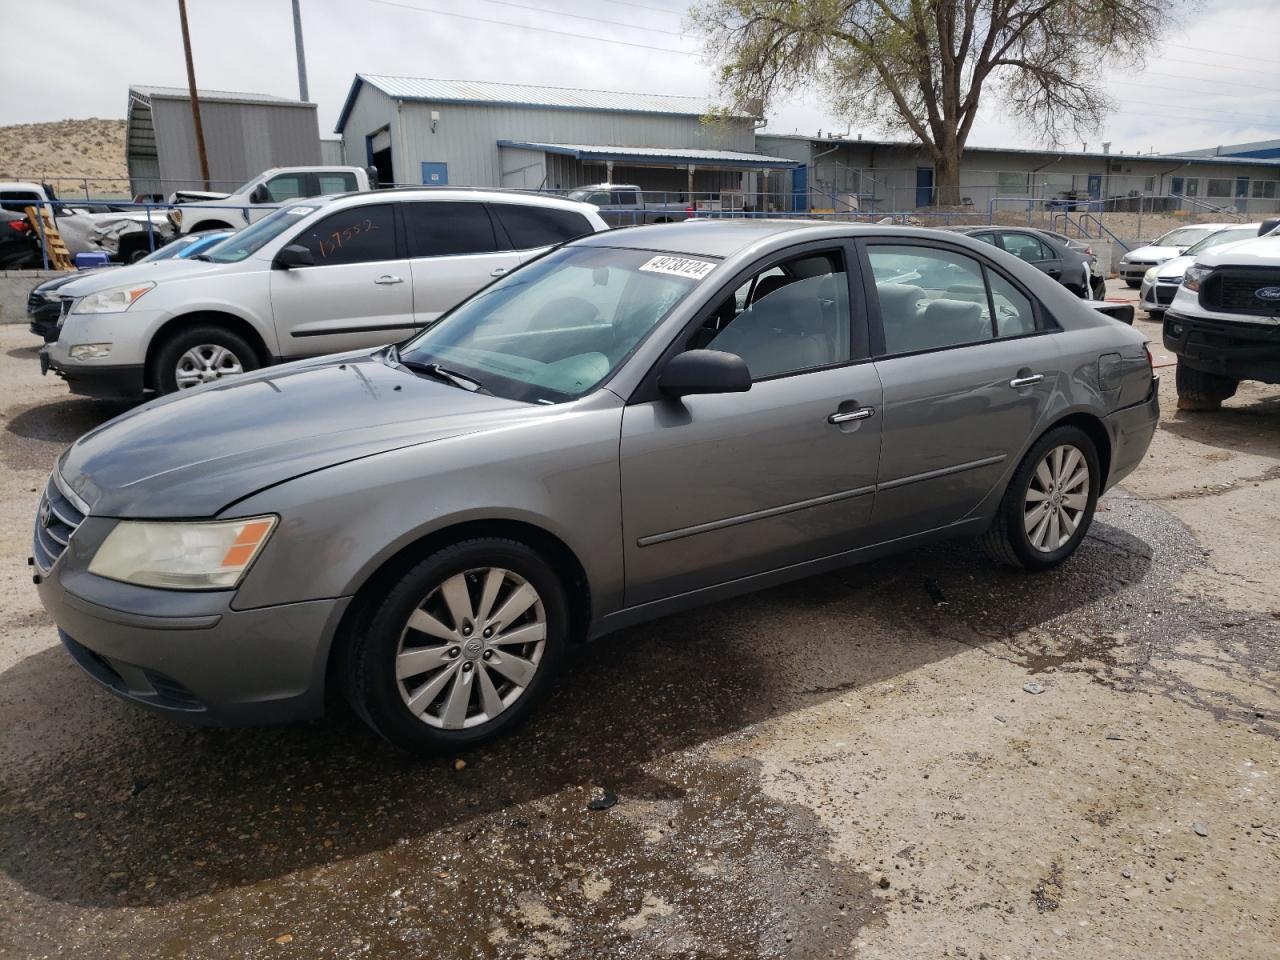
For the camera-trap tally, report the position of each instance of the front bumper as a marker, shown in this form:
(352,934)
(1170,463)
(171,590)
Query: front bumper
(126,382)
(1131,429)
(1134,271)
(208,664)
(1235,349)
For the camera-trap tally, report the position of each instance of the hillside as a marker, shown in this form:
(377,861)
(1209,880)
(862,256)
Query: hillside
(65,153)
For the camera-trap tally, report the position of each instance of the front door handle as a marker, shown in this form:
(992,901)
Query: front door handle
(498,272)
(849,415)
(1026,381)
(387,279)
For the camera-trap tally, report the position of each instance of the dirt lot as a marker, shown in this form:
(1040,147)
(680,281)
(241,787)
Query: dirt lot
(847,766)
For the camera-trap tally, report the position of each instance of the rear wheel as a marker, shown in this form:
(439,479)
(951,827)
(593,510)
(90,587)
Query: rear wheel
(1200,391)
(200,354)
(1049,503)
(1099,288)
(464,645)
(1133,284)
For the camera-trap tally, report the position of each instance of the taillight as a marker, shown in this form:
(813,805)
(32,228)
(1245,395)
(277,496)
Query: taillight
(20,225)
(1088,251)
(690,209)
(1151,361)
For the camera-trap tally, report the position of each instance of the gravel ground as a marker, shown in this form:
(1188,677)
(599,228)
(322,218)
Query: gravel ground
(846,766)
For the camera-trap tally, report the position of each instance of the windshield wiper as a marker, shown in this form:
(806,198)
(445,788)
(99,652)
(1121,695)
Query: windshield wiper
(442,373)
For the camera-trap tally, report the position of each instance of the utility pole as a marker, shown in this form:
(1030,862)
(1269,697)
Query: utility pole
(302,55)
(195,97)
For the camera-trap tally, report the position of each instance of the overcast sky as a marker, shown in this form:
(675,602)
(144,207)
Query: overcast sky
(1216,79)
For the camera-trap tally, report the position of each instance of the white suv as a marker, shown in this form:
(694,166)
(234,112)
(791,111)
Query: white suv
(317,276)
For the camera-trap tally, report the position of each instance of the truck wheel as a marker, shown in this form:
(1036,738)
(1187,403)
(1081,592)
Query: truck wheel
(131,251)
(1133,284)
(460,648)
(1200,391)
(200,354)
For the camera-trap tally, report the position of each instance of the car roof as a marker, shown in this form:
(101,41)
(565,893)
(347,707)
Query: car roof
(724,238)
(406,194)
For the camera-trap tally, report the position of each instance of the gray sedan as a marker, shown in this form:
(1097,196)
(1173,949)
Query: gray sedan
(635,423)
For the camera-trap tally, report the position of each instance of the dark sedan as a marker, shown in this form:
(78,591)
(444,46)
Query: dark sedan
(1072,263)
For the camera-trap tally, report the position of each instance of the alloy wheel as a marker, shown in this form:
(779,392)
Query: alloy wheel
(471,648)
(204,364)
(1056,498)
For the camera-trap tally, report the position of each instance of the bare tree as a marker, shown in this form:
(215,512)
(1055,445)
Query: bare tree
(923,65)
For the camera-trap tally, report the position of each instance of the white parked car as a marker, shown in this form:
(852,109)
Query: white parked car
(198,210)
(316,276)
(1134,264)
(122,235)
(1160,284)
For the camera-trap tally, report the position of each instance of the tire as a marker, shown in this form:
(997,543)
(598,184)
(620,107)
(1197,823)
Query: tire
(1133,284)
(164,376)
(457,658)
(1202,392)
(1099,288)
(1007,540)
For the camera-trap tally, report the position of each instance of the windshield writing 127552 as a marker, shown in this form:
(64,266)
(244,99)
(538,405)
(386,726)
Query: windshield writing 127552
(338,238)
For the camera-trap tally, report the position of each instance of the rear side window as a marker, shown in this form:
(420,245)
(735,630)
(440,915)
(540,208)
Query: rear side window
(530,227)
(16,201)
(929,298)
(355,235)
(336,183)
(625,198)
(1026,247)
(439,228)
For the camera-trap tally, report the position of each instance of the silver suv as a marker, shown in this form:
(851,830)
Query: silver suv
(317,276)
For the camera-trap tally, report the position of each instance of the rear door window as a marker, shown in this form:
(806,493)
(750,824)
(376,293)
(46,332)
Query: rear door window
(1026,247)
(446,228)
(530,227)
(355,235)
(16,201)
(287,186)
(327,183)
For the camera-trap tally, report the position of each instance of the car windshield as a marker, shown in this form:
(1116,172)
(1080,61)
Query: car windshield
(252,239)
(172,249)
(1183,237)
(1221,237)
(551,331)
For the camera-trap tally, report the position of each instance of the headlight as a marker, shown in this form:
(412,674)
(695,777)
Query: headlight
(1125,258)
(1149,276)
(1194,276)
(115,300)
(182,556)
(176,216)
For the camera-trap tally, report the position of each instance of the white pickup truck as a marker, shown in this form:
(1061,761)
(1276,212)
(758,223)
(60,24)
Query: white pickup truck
(196,210)
(1224,322)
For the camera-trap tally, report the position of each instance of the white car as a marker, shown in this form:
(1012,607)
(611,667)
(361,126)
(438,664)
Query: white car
(1134,264)
(121,234)
(199,210)
(316,276)
(1160,284)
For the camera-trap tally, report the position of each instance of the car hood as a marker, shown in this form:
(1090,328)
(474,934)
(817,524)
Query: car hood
(1262,252)
(193,454)
(1174,269)
(1152,254)
(152,272)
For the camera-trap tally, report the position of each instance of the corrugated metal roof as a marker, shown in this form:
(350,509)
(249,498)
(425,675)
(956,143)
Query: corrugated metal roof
(678,155)
(182,93)
(522,95)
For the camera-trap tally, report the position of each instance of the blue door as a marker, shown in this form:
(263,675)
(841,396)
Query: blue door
(435,174)
(1242,188)
(1095,186)
(924,186)
(800,190)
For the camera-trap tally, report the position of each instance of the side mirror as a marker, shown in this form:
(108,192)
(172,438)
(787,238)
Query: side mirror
(704,371)
(260,194)
(294,255)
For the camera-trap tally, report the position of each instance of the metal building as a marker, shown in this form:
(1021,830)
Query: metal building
(244,134)
(481,134)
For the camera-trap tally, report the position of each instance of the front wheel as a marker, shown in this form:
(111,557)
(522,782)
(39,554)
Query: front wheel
(1133,284)
(1199,391)
(463,646)
(1099,288)
(1049,503)
(200,354)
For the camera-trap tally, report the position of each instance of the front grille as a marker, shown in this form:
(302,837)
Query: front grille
(57,517)
(1138,265)
(1235,290)
(1165,292)
(34,301)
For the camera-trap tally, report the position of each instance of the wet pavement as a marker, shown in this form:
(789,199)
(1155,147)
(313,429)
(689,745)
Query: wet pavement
(842,766)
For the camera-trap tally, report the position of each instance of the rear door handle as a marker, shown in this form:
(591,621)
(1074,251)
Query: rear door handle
(860,414)
(386,279)
(1026,381)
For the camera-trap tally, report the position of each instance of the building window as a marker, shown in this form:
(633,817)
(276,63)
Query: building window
(1149,184)
(1012,182)
(1219,187)
(1264,189)
(1175,186)
(1193,186)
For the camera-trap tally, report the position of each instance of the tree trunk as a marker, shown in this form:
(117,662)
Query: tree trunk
(946,177)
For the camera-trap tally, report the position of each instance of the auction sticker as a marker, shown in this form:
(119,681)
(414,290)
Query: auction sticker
(679,267)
